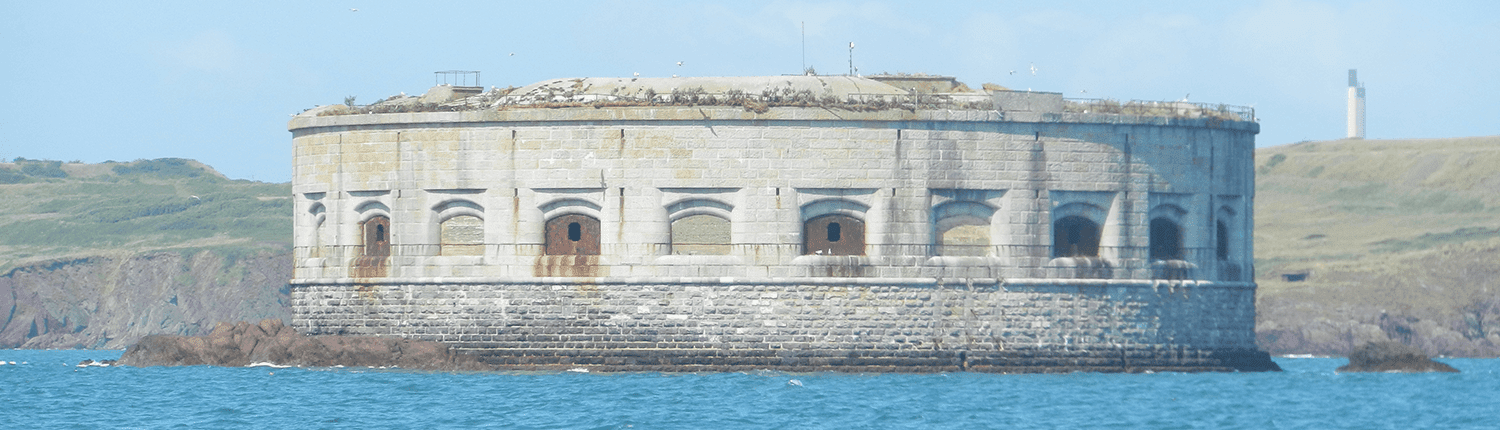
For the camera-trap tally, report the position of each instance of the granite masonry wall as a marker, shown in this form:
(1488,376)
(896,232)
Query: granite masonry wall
(956,210)
(861,324)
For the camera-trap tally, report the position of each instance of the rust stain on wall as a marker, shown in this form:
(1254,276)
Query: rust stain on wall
(566,266)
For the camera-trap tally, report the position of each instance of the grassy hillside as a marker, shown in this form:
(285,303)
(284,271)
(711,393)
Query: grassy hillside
(59,210)
(1398,239)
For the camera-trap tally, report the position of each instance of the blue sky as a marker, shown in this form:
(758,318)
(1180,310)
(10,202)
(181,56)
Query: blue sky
(217,81)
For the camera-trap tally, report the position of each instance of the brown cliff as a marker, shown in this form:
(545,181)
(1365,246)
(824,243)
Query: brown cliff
(111,301)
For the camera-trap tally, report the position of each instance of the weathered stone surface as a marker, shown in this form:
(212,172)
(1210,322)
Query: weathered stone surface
(831,243)
(738,325)
(1388,356)
(270,341)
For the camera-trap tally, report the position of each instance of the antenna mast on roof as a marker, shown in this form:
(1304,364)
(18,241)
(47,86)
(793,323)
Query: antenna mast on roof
(804,47)
(852,71)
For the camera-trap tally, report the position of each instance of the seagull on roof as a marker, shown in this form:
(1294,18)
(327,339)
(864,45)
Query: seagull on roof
(637,74)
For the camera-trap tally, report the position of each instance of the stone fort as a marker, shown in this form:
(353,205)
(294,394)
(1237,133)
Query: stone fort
(803,223)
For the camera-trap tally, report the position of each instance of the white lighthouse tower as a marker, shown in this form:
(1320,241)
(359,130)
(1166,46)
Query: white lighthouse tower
(1356,107)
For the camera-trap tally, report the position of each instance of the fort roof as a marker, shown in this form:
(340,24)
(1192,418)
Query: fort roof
(758,94)
(822,86)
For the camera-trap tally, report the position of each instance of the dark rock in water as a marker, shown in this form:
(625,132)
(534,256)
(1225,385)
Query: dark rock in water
(1392,357)
(92,363)
(270,341)
(1246,360)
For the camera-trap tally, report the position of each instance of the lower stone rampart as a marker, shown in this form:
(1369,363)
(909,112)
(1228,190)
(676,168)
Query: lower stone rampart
(807,324)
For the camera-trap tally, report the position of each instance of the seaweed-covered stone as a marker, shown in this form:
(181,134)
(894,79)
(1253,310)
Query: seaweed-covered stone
(270,341)
(1390,356)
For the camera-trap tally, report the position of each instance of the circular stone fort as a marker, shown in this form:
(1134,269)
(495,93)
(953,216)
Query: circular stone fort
(900,223)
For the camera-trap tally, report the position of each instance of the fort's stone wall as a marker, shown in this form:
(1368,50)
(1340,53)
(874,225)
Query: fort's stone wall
(864,323)
(956,210)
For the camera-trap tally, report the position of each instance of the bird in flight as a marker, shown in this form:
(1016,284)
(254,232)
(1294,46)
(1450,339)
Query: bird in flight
(353,10)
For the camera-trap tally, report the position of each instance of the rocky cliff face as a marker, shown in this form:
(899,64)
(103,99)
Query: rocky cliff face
(111,302)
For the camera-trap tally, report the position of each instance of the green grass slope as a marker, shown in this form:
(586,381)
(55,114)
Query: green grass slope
(58,210)
(1399,239)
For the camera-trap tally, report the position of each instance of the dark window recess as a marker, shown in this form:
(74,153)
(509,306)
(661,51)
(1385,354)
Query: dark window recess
(1221,242)
(377,236)
(572,235)
(1166,240)
(834,235)
(1075,236)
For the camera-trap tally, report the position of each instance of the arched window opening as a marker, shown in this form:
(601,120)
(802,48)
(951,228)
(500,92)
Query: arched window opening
(834,235)
(700,235)
(963,236)
(572,235)
(377,236)
(1166,240)
(462,235)
(1075,236)
(1221,241)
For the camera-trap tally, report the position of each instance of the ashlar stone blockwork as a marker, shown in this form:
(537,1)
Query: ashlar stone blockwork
(1013,237)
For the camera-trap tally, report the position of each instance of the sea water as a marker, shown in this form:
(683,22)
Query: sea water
(47,389)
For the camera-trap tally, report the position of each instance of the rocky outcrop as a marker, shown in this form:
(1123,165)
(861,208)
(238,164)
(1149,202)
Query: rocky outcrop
(270,341)
(112,301)
(1390,356)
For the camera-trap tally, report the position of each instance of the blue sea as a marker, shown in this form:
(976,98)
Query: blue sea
(46,389)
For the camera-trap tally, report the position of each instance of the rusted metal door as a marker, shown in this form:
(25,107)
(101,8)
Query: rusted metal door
(573,235)
(377,232)
(833,235)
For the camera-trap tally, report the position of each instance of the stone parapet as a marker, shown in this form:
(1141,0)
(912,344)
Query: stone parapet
(721,115)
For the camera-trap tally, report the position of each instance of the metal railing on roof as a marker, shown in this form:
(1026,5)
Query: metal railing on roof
(1177,109)
(457,78)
